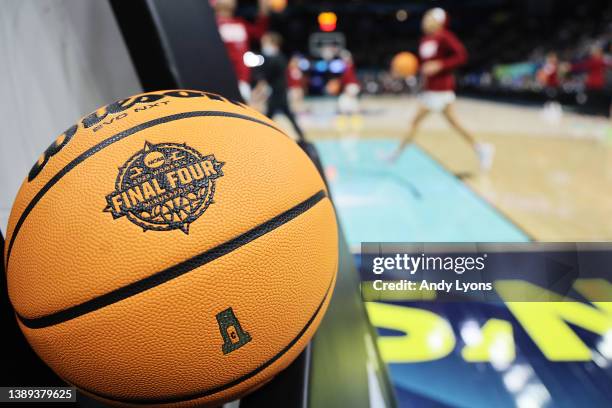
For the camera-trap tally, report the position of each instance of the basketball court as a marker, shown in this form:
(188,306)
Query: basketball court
(535,191)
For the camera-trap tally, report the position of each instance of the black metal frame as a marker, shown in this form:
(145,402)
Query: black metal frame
(176,47)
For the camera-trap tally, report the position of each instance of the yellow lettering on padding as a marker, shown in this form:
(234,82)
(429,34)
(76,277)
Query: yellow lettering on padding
(597,291)
(495,345)
(547,322)
(427,336)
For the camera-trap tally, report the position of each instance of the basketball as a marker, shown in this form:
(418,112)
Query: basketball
(404,65)
(174,247)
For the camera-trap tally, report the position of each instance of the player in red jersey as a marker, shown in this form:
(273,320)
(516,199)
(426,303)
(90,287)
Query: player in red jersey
(349,76)
(441,52)
(295,84)
(348,102)
(349,118)
(594,66)
(548,75)
(237,33)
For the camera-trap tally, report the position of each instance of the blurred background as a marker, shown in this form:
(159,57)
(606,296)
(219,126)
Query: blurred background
(537,87)
(551,132)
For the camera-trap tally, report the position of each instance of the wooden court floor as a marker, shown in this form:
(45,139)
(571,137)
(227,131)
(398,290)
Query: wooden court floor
(551,176)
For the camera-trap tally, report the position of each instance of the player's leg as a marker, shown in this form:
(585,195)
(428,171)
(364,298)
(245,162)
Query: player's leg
(348,105)
(552,111)
(245,91)
(421,113)
(296,99)
(270,110)
(289,114)
(484,151)
(451,117)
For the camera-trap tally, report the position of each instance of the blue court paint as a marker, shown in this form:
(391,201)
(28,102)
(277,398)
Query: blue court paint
(413,200)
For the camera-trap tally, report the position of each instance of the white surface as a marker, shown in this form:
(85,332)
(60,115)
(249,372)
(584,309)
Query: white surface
(61,59)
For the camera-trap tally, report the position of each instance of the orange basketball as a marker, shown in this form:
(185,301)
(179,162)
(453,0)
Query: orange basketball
(404,65)
(173,248)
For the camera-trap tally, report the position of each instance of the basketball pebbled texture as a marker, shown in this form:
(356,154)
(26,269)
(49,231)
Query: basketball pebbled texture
(127,302)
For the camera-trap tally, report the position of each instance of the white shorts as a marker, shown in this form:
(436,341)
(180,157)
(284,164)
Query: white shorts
(348,104)
(437,101)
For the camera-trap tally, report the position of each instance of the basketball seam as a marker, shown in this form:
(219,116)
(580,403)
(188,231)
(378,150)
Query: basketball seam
(174,271)
(212,391)
(107,142)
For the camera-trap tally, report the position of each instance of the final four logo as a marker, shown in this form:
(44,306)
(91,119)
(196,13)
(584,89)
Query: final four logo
(164,186)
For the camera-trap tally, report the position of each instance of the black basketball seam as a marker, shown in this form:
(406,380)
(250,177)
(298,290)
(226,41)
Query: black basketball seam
(172,272)
(109,141)
(231,384)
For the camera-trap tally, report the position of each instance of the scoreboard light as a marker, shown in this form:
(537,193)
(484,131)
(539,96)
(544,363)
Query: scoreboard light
(327,21)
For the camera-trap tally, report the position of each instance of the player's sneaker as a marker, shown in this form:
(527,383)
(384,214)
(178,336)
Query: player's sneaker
(485,152)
